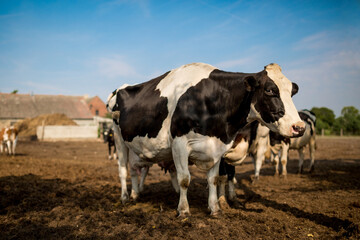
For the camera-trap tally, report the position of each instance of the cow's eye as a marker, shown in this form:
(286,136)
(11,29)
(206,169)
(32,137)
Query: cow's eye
(269,92)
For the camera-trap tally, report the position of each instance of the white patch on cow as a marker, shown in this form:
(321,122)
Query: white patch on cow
(236,155)
(205,151)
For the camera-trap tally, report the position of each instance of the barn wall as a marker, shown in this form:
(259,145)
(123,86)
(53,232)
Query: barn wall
(66,132)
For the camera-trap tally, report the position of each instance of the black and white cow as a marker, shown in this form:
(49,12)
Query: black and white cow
(108,136)
(280,145)
(193,113)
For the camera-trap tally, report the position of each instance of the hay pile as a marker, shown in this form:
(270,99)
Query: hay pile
(27,127)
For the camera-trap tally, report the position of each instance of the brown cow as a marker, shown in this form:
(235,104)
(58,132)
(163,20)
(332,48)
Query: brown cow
(8,137)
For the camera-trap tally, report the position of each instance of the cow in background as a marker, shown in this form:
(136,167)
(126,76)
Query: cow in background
(253,141)
(280,146)
(8,137)
(109,139)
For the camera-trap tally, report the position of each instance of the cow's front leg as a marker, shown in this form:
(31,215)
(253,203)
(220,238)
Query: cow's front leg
(284,158)
(276,160)
(180,156)
(212,177)
(259,157)
(9,147)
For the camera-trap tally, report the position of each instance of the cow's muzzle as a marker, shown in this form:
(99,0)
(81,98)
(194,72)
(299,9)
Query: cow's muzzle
(298,129)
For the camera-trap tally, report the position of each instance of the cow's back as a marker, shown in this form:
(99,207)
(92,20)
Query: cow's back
(145,110)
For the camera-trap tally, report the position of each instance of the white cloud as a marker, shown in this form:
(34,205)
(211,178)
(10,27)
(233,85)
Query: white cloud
(329,73)
(113,67)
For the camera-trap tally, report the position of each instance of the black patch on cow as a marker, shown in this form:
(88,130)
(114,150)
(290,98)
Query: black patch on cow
(276,138)
(307,118)
(226,169)
(142,109)
(268,102)
(217,106)
(248,133)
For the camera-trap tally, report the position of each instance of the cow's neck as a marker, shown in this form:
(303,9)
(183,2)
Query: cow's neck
(237,118)
(239,99)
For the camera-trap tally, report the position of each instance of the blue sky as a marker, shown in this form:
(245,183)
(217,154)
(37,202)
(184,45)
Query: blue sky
(93,47)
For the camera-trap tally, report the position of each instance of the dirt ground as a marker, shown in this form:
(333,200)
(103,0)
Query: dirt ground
(70,190)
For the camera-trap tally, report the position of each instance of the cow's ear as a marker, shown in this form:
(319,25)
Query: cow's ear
(251,83)
(295,89)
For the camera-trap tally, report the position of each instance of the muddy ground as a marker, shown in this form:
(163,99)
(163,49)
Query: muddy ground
(70,190)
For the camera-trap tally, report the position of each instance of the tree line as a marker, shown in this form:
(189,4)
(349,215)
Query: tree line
(347,124)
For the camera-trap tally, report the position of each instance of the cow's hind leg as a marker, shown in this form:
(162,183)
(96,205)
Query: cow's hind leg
(312,145)
(180,156)
(276,162)
(301,160)
(174,181)
(144,173)
(14,146)
(109,150)
(123,154)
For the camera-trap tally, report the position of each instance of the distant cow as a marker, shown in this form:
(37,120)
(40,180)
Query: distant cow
(192,114)
(280,146)
(109,139)
(8,137)
(252,140)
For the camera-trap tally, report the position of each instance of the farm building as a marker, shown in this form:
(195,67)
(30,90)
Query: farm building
(81,109)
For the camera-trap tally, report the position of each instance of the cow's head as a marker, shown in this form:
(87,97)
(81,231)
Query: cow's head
(272,104)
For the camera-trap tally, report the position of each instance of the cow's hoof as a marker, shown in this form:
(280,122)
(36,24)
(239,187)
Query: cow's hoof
(216,213)
(223,203)
(134,196)
(183,214)
(255,180)
(312,169)
(125,198)
(284,177)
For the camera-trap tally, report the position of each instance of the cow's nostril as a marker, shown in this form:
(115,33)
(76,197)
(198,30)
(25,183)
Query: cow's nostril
(298,130)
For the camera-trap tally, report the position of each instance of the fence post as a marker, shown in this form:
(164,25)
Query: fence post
(43,130)
(322,132)
(341,132)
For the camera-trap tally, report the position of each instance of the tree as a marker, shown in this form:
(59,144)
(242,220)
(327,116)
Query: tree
(349,120)
(325,118)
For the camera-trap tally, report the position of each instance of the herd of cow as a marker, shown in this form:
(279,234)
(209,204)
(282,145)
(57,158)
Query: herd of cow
(198,114)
